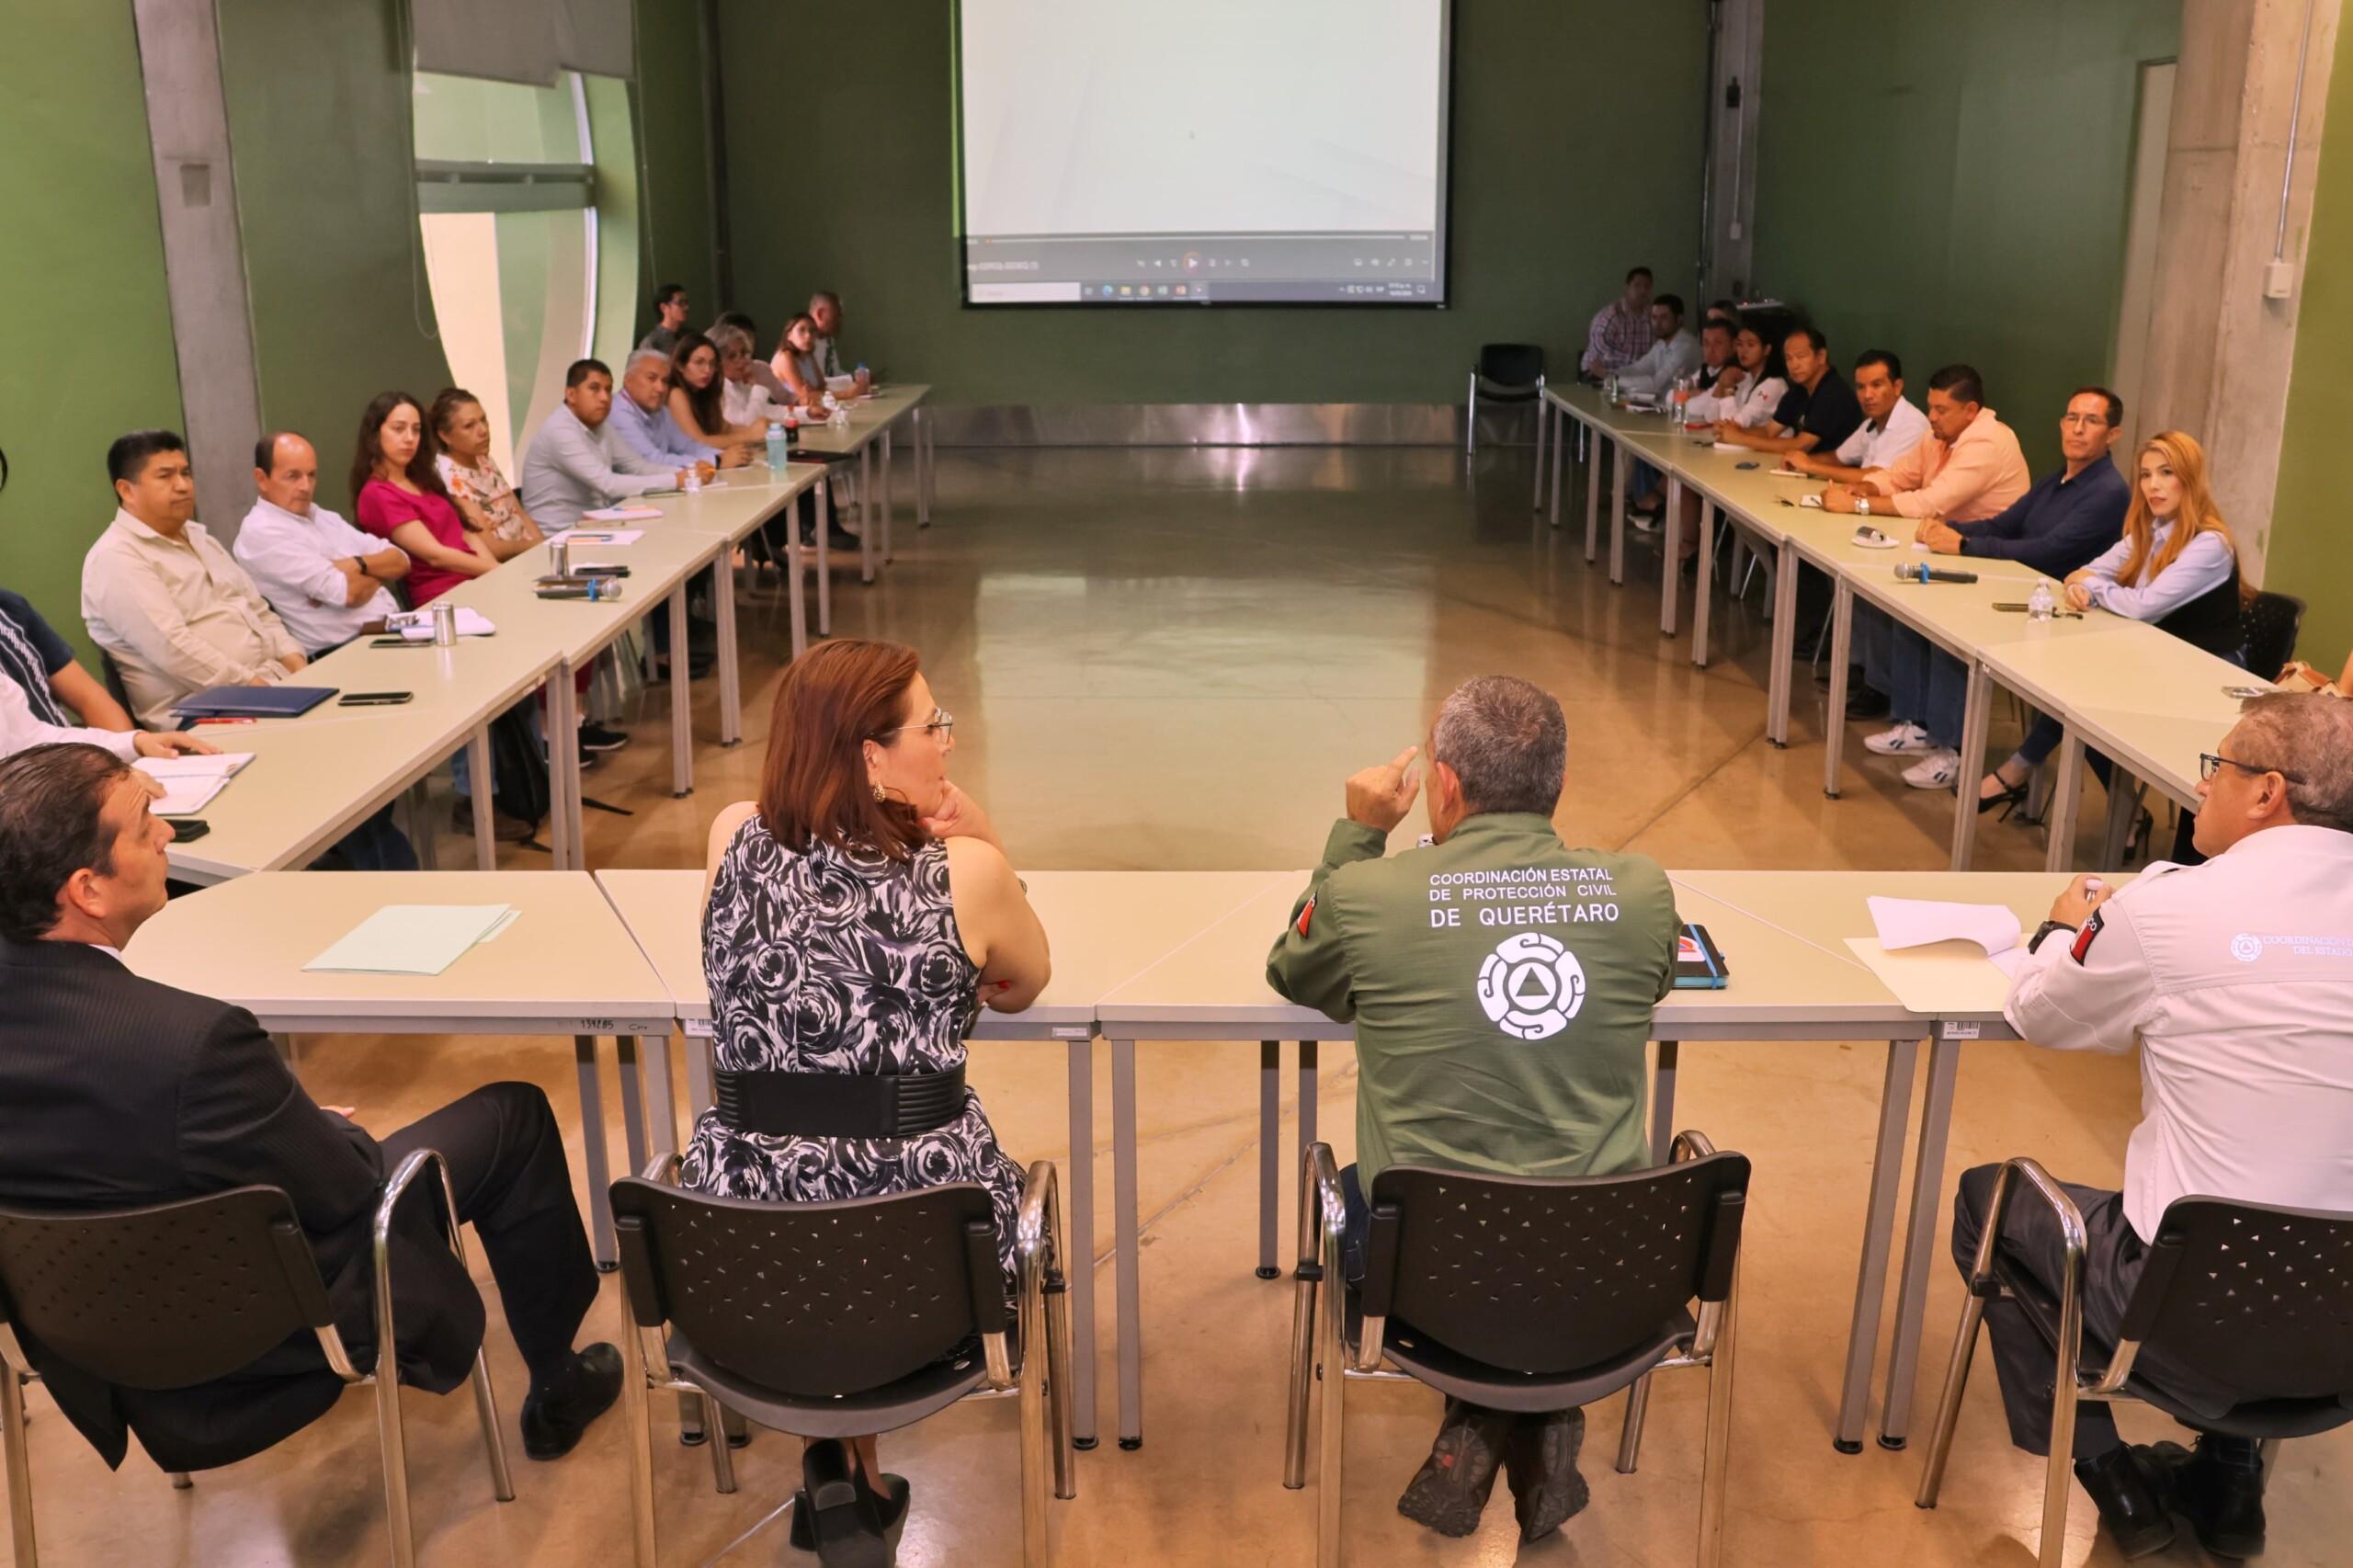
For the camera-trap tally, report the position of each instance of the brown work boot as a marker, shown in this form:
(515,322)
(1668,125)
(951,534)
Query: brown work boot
(1449,1491)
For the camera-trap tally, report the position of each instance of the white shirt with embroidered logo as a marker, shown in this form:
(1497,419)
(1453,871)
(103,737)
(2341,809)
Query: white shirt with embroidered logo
(2236,978)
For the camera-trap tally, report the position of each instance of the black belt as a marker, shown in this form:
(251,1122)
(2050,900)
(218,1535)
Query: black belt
(839,1105)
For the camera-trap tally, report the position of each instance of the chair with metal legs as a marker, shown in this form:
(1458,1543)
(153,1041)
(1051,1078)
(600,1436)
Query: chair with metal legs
(2258,1298)
(722,1307)
(1521,1294)
(177,1296)
(1507,373)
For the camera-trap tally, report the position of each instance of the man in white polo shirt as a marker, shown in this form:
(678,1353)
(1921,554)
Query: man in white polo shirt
(1893,423)
(2235,978)
(326,579)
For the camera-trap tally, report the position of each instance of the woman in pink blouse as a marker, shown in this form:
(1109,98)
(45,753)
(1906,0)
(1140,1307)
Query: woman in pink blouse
(399,496)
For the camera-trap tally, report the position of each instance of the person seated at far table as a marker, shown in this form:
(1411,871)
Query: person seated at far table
(859,915)
(642,416)
(1673,355)
(577,463)
(698,400)
(670,319)
(1815,414)
(1746,390)
(1443,1081)
(1726,311)
(2177,566)
(1716,362)
(763,375)
(462,434)
(824,342)
(326,580)
(171,607)
(743,385)
(2247,1093)
(1621,332)
(117,1092)
(796,365)
(2063,521)
(1892,424)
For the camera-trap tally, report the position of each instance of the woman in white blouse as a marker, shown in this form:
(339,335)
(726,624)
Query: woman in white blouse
(2176,566)
(1748,391)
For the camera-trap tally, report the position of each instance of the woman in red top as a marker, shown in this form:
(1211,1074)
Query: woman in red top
(399,496)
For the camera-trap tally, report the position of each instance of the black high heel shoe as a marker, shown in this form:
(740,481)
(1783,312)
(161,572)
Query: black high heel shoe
(2012,797)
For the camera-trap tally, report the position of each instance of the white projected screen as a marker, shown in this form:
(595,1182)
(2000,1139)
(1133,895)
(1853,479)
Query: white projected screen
(1216,153)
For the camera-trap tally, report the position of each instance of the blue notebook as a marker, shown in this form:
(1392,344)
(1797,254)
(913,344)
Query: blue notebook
(253,702)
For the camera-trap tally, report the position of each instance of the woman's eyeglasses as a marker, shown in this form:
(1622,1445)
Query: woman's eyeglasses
(941,720)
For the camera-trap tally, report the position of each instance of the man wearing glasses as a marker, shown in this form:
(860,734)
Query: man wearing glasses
(2235,978)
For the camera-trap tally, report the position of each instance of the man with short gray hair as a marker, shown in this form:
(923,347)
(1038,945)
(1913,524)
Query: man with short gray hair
(1502,984)
(2235,978)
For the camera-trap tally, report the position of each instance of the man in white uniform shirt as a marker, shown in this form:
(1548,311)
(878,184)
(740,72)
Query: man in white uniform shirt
(1893,423)
(2235,978)
(324,578)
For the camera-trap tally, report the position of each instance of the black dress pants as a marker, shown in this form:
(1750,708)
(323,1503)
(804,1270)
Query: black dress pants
(504,1151)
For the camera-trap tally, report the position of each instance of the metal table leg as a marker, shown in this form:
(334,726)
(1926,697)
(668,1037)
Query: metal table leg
(592,1150)
(1785,642)
(1543,419)
(865,512)
(682,714)
(795,563)
(923,434)
(699,1094)
(1559,439)
(486,820)
(1081,1197)
(661,1107)
(1618,458)
(1670,531)
(1703,586)
(569,839)
(1663,1102)
(1833,721)
(1125,1262)
(731,662)
(824,560)
(2123,804)
(1270,1127)
(890,499)
(1307,1054)
(1592,490)
(1975,715)
(632,1101)
(1879,1237)
(2067,797)
(1920,1243)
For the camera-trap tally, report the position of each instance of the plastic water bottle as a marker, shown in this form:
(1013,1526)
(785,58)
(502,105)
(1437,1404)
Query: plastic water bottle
(1609,387)
(693,482)
(2040,603)
(779,446)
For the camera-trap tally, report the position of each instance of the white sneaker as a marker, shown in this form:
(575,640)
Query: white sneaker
(1938,770)
(1901,738)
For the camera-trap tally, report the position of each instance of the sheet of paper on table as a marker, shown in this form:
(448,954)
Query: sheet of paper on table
(621,514)
(414,938)
(416,625)
(190,782)
(1941,958)
(616,536)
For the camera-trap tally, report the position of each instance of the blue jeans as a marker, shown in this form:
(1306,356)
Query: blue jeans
(1925,685)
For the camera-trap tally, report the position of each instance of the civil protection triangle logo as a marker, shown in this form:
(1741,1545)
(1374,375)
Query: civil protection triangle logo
(1531,986)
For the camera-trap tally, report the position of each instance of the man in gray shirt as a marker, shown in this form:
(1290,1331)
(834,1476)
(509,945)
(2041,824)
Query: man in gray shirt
(670,313)
(577,463)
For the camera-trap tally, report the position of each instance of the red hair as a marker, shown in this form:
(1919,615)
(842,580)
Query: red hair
(834,698)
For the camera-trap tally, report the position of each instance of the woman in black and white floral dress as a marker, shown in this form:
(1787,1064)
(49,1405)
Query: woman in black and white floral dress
(861,912)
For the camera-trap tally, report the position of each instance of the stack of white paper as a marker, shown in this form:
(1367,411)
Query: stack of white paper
(414,938)
(416,625)
(1916,922)
(190,782)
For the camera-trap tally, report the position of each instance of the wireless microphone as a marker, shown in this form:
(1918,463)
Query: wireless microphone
(1927,574)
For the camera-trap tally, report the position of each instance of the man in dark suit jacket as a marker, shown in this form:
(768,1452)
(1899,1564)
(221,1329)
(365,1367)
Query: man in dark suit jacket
(117,1092)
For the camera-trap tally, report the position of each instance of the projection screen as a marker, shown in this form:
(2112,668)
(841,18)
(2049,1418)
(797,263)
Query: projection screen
(1208,153)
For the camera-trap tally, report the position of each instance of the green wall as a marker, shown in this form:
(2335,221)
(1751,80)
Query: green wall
(89,338)
(676,197)
(1563,176)
(2308,557)
(1950,182)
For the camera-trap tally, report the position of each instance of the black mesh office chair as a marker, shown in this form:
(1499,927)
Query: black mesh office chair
(178,1295)
(2270,625)
(1507,373)
(1523,1295)
(2258,1298)
(837,1320)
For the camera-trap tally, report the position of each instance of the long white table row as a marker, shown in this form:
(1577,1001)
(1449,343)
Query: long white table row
(2147,699)
(317,776)
(1139,957)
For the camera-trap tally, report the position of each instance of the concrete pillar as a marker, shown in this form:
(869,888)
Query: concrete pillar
(1737,61)
(2223,329)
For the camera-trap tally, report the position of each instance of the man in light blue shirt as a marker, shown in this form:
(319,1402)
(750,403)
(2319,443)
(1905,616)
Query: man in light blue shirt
(642,415)
(575,463)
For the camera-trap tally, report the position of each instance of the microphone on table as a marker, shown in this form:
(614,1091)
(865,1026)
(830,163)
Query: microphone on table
(1925,573)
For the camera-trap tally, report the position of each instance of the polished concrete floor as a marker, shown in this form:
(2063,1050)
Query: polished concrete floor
(1170,660)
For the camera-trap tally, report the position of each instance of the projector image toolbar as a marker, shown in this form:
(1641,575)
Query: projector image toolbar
(1136,270)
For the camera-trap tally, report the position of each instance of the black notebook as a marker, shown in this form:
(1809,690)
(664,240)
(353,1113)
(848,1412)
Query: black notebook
(1699,963)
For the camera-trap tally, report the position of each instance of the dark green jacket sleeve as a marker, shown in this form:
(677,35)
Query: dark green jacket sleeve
(1309,964)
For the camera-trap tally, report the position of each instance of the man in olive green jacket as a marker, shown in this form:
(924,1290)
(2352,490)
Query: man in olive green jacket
(1502,984)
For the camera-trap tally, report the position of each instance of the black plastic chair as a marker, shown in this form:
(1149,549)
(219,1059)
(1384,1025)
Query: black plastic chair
(112,674)
(837,1320)
(2269,626)
(181,1294)
(1523,1295)
(2258,1298)
(1507,373)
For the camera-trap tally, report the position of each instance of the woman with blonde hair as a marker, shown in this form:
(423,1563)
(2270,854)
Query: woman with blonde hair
(2176,566)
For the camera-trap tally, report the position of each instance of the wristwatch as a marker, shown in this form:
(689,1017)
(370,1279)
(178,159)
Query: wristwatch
(2045,929)
(1863,504)
(362,561)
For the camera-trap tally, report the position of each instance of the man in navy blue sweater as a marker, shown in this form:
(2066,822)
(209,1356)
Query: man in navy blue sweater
(2068,518)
